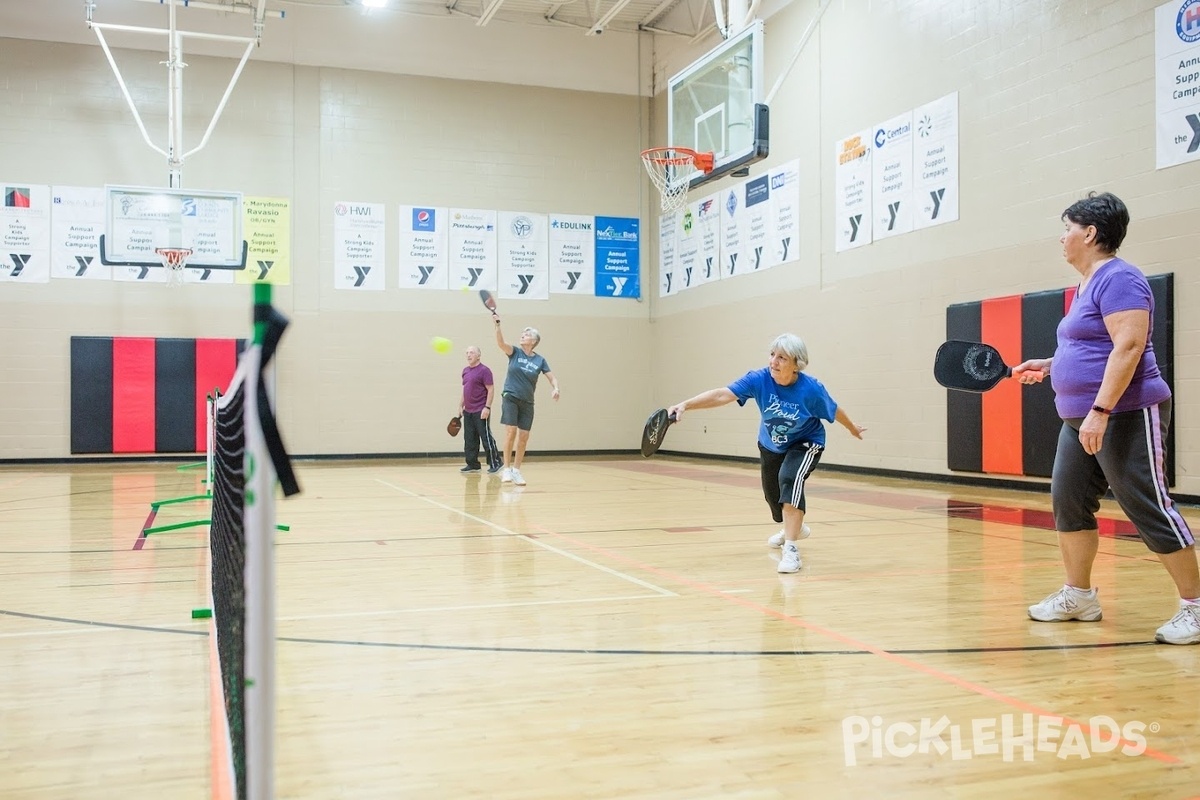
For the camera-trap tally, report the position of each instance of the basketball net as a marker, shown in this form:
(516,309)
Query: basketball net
(174,259)
(671,169)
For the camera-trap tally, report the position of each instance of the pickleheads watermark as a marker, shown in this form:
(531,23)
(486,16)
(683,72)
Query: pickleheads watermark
(1009,737)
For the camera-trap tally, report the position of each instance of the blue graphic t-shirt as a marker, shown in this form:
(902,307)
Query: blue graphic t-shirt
(790,414)
(523,372)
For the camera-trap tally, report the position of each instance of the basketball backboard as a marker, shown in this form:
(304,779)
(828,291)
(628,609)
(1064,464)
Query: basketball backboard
(139,220)
(715,105)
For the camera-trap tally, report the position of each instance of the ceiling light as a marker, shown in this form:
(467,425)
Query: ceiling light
(374,3)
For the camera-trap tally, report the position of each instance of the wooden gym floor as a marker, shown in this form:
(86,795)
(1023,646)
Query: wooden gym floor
(616,629)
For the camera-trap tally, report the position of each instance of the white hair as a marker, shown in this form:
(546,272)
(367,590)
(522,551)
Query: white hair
(792,345)
(537,337)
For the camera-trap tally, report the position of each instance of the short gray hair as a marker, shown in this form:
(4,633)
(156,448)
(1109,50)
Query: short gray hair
(537,337)
(792,345)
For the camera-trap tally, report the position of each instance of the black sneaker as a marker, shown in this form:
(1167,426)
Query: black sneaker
(495,469)
(470,469)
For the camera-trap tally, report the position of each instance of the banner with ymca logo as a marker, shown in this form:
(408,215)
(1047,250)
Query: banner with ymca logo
(358,256)
(76,223)
(524,256)
(25,233)
(898,176)
(572,254)
(424,248)
(1177,82)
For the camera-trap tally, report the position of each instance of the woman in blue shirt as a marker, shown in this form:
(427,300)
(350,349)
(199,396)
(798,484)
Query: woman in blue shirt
(791,437)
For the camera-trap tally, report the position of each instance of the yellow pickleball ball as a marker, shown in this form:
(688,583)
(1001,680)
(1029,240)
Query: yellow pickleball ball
(441,344)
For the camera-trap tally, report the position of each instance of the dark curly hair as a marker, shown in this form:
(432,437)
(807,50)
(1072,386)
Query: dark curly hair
(1104,211)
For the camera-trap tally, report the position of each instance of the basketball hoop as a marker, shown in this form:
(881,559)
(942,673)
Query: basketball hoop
(671,169)
(174,259)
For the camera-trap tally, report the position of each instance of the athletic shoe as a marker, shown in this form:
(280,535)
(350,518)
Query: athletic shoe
(470,469)
(517,478)
(789,560)
(776,540)
(506,475)
(1067,603)
(495,469)
(1183,628)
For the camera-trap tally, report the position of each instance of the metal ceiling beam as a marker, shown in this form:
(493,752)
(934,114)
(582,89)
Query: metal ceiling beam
(236,8)
(659,10)
(602,23)
(489,12)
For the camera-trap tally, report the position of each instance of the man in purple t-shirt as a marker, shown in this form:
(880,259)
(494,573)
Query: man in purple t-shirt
(475,408)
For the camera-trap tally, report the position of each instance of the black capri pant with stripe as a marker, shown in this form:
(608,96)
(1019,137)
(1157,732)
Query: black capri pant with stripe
(783,475)
(1130,462)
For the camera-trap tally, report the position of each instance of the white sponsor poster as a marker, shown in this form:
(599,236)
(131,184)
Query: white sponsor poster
(25,233)
(1177,82)
(891,176)
(852,192)
(785,214)
(424,248)
(572,254)
(142,274)
(759,223)
(935,162)
(687,248)
(524,255)
(472,249)
(667,235)
(733,230)
(76,222)
(205,275)
(358,246)
(708,240)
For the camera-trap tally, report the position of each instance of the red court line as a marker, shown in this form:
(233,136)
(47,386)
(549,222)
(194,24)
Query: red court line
(1023,517)
(899,660)
(915,573)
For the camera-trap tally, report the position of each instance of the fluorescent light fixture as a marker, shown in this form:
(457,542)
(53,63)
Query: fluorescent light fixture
(375,3)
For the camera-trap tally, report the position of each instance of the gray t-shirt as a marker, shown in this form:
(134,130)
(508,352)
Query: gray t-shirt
(523,372)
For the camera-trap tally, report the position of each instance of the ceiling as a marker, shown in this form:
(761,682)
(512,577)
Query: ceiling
(555,43)
(670,17)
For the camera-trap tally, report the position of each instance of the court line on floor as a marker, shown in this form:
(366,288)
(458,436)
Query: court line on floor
(532,540)
(887,655)
(98,626)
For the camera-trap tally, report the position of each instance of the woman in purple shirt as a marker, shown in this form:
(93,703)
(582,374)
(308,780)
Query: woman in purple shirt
(1116,409)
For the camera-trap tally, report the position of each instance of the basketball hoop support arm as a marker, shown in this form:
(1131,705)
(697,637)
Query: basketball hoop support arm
(175,66)
(812,26)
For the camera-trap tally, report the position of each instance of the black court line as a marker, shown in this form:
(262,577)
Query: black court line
(601,651)
(97,624)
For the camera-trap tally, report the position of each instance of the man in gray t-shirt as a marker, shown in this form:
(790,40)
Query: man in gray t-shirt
(516,409)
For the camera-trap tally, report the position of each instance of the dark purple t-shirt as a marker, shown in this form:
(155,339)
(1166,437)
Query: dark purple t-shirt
(1084,344)
(476,379)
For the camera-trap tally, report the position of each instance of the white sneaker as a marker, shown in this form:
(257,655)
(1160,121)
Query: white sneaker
(1183,628)
(789,560)
(1066,604)
(506,475)
(516,477)
(776,540)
